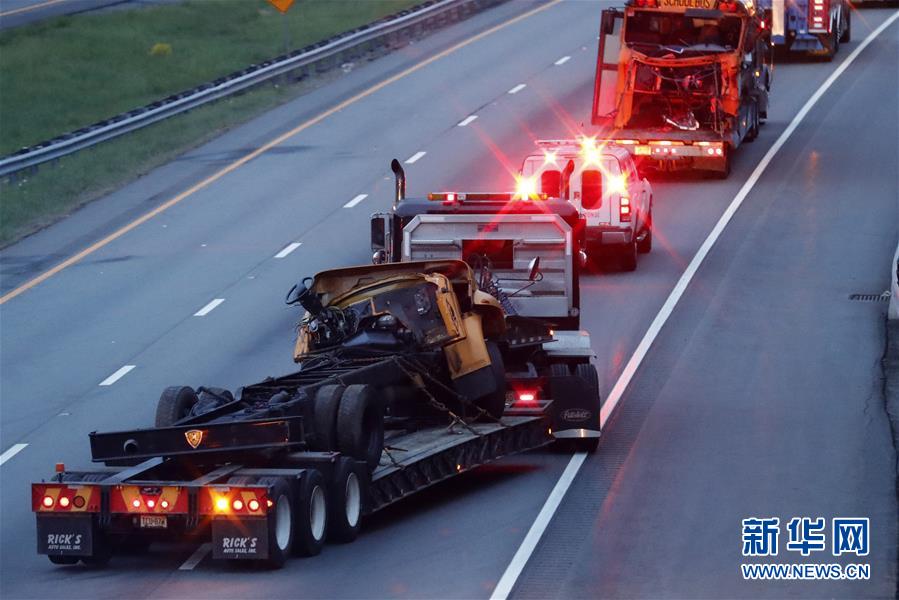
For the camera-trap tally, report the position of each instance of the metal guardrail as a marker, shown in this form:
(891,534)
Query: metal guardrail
(413,21)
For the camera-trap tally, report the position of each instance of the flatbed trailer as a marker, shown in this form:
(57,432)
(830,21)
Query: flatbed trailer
(247,475)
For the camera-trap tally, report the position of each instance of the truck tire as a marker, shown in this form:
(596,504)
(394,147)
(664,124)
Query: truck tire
(346,496)
(282,521)
(629,256)
(753,124)
(494,403)
(559,370)
(847,33)
(174,404)
(644,246)
(360,425)
(324,417)
(724,173)
(58,559)
(588,373)
(311,511)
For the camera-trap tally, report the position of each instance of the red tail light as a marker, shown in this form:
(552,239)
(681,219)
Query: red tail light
(233,500)
(624,209)
(819,16)
(48,497)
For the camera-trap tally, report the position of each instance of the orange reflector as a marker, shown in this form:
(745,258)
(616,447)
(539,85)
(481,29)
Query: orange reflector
(60,467)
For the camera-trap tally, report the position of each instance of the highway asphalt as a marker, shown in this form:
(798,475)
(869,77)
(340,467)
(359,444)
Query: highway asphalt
(759,398)
(14,13)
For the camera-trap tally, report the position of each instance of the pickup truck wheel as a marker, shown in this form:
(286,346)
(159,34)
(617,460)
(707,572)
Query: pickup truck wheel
(58,559)
(174,404)
(847,33)
(360,425)
(281,521)
(345,500)
(644,246)
(629,256)
(324,417)
(311,515)
(494,403)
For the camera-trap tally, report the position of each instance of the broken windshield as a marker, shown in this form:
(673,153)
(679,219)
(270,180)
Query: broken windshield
(657,33)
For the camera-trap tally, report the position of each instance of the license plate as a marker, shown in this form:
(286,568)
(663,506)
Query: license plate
(153,522)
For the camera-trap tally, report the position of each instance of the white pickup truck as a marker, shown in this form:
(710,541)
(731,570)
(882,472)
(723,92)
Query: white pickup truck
(603,183)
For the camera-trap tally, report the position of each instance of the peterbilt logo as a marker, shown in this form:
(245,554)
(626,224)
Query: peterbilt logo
(576,414)
(194,437)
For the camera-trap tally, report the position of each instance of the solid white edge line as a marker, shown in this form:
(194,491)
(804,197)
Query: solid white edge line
(517,88)
(117,375)
(467,120)
(13,450)
(562,61)
(209,307)
(195,558)
(415,157)
(288,249)
(516,566)
(504,587)
(355,201)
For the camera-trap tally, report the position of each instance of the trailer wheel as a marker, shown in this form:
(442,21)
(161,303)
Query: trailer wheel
(360,425)
(174,404)
(280,521)
(311,515)
(494,403)
(324,419)
(58,559)
(847,33)
(559,370)
(345,500)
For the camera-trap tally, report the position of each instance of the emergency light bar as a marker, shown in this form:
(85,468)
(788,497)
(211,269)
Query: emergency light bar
(455,197)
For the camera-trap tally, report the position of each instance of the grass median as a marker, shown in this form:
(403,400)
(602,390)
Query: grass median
(65,73)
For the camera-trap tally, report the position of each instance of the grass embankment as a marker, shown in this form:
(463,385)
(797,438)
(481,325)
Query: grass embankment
(69,72)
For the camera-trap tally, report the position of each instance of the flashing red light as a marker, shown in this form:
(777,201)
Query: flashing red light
(47,501)
(237,504)
(135,503)
(164,504)
(64,502)
(526,396)
(253,505)
(450,199)
(151,503)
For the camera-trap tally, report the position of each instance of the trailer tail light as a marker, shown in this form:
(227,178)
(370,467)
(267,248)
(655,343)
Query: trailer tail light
(234,501)
(526,397)
(48,497)
(819,16)
(134,499)
(624,209)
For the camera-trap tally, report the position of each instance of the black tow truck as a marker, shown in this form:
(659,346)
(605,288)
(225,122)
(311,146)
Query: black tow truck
(408,374)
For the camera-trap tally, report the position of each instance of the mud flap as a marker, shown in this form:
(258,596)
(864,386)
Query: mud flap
(575,408)
(240,539)
(65,535)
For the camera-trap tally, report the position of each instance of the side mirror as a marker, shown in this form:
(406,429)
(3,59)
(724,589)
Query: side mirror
(534,269)
(379,257)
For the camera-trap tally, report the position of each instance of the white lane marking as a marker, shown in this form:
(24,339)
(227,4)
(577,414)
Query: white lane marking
(516,566)
(355,201)
(117,375)
(415,157)
(195,558)
(15,449)
(562,61)
(209,307)
(517,88)
(288,249)
(467,120)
